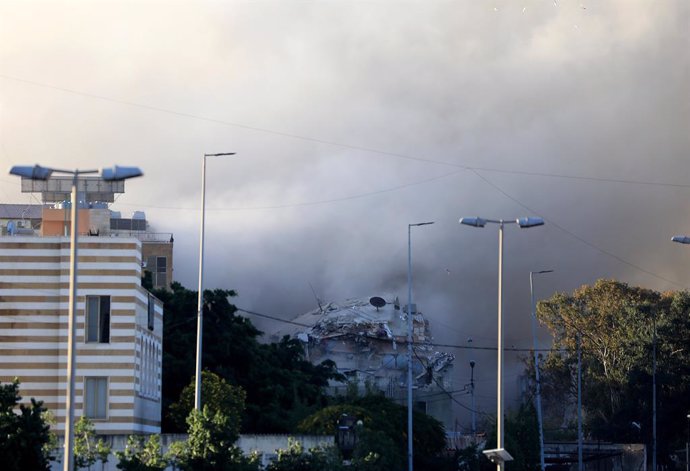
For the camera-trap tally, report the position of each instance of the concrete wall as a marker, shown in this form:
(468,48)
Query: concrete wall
(99,221)
(56,222)
(159,249)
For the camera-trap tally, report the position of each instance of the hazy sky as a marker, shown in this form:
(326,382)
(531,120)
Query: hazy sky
(350,120)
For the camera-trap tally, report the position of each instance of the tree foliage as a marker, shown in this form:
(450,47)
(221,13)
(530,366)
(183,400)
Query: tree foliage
(217,395)
(385,423)
(282,386)
(24,437)
(87,447)
(296,458)
(615,323)
(211,444)
(141,456)
(376,451)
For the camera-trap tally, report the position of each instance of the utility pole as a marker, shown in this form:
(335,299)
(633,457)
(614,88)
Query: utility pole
(579,401)
(536,366)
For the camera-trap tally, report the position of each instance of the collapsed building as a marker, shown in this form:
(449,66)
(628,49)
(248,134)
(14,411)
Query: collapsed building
(367,339)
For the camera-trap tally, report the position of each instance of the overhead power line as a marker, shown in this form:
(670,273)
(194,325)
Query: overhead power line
(343,145)
(575,236)
(403,341)
(462,167)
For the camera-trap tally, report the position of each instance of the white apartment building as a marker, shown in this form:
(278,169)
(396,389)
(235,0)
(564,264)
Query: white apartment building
(118,347)
(119,330)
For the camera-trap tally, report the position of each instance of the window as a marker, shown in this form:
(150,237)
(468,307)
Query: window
(98,319)
(158,266)
(124,224)
(96,398)
(149,367)
(151,312)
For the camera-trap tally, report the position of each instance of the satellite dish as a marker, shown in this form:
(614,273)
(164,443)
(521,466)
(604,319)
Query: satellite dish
(377,302)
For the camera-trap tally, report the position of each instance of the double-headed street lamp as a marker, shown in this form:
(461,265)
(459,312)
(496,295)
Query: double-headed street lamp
(37,172)
(536,364)
(200,301)
(500,455)
(409,341)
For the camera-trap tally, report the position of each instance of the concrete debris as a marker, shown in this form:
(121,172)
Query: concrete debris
(367,340)
(362,337)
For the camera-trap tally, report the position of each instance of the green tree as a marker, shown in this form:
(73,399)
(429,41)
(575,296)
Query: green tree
(175,455)
(296,458)
(216,394)
(24,437)
(87,448)
(140,456)
(611,318)
(388,419)
(282,386)
(211,444)
(376,451)
(615,324)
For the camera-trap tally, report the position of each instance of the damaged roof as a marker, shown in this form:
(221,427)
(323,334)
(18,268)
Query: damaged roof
(360,319)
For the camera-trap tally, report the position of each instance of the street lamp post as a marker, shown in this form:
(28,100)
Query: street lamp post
(43,173)
(536,364)
(654,390)
(474,409)
(500,455)
(687,445)
(579,401)
(681,239)
(410,464)
(200,301)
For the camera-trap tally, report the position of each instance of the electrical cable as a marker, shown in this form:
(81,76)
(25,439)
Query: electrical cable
(335,143)
(575,236)
(304,203)
(404,342)
(475,170)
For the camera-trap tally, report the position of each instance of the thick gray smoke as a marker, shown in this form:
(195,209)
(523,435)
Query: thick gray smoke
(352,120)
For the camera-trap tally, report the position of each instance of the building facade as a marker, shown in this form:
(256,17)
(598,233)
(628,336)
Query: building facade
(52,218)
(367,339)
(118,345)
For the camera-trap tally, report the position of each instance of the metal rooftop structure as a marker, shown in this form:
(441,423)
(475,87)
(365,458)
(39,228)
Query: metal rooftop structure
(90,189)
